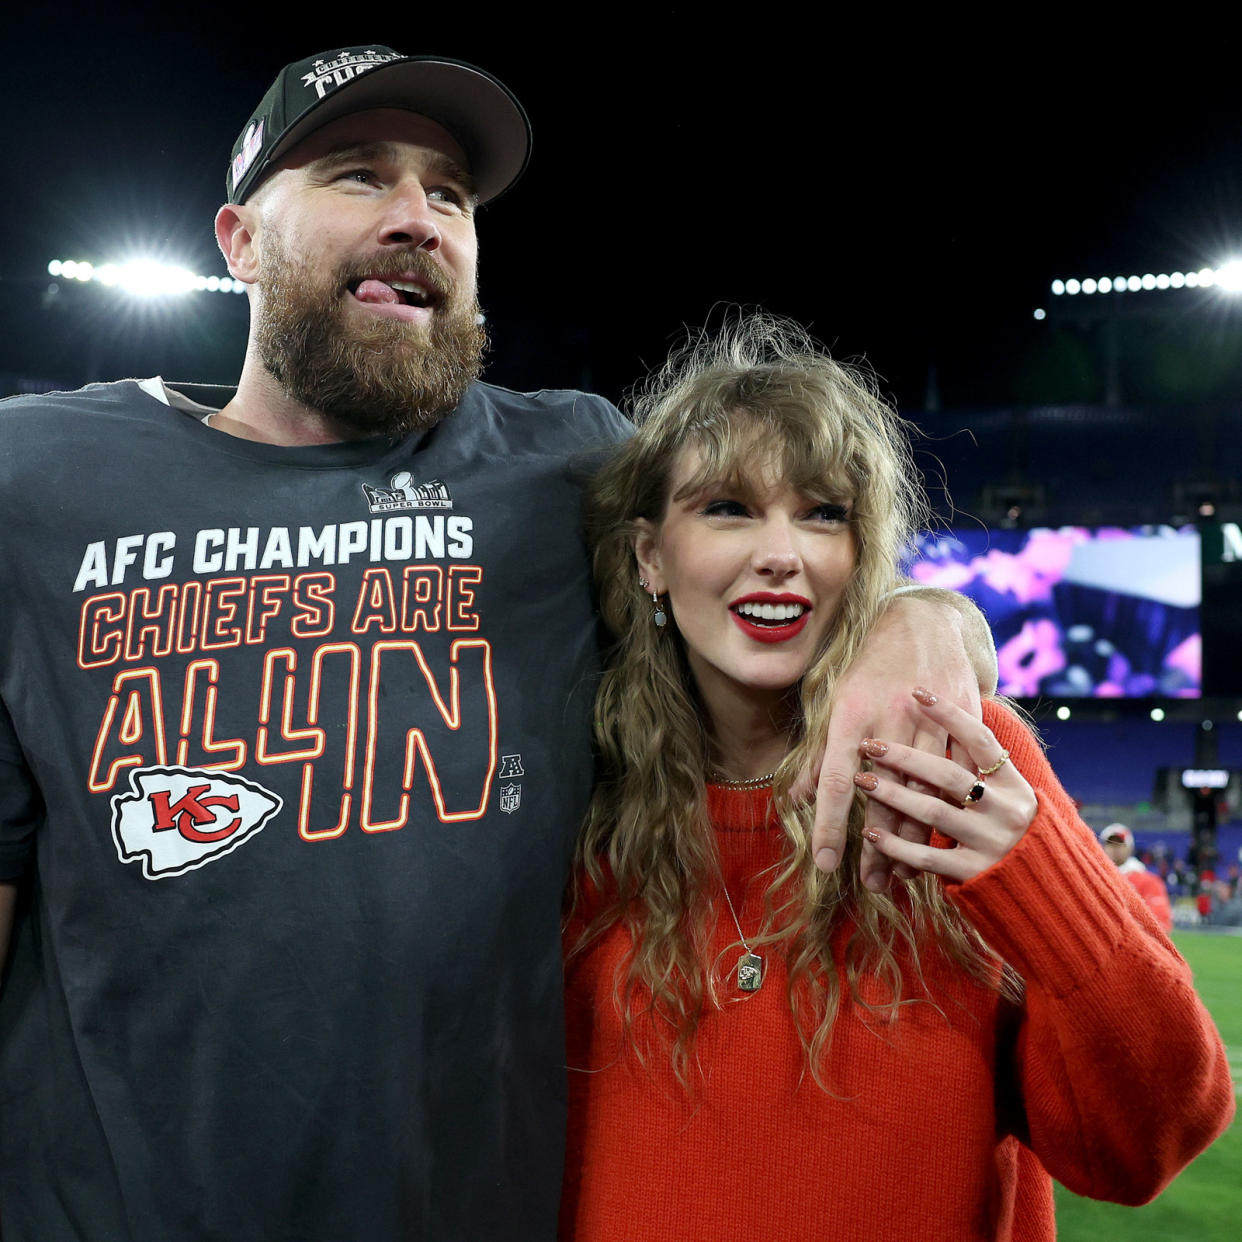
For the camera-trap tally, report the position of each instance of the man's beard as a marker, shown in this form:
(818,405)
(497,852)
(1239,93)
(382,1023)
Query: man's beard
(371,375)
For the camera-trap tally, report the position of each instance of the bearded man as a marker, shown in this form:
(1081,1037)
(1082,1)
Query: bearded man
(293,723)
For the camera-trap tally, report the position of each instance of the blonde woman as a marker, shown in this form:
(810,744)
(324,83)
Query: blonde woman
(760,1048)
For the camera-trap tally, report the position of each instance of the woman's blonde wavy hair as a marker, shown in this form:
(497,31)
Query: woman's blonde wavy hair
(761,399)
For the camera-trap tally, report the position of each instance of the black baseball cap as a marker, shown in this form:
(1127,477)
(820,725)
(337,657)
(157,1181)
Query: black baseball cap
(481,113)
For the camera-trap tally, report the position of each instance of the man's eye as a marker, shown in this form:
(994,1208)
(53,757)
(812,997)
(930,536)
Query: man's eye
(449,195)
(364,176)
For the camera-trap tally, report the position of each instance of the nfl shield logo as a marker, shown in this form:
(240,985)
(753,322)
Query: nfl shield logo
(510,798)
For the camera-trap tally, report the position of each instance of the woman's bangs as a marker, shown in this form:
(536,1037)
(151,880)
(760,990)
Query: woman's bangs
(748,451)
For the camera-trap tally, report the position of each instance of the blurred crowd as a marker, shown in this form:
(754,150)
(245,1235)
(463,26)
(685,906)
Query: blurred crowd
(1196,890)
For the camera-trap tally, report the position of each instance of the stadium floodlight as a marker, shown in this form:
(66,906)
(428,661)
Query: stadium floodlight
(1227,278)
(144,278)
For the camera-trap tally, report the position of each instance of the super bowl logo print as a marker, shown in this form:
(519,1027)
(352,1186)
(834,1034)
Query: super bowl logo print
(403,492)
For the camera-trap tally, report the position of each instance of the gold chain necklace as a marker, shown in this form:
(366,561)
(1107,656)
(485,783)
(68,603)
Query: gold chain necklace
(756,782)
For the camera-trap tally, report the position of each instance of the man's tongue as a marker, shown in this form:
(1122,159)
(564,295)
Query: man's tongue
(375,291)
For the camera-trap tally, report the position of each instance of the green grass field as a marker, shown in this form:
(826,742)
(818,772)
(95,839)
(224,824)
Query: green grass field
(1205,1203)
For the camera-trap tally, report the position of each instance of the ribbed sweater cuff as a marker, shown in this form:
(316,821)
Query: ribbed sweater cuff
(1051,909)
(1055,907)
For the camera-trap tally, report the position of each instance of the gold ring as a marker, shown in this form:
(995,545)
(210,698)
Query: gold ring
(996,767)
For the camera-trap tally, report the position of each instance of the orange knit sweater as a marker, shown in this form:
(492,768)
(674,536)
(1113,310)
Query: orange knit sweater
(1111,1076)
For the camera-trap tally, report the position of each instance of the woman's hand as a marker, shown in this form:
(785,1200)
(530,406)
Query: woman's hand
(921,635)
(986,814)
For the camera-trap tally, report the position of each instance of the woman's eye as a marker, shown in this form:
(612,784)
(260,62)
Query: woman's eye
(725,508)
(829,513)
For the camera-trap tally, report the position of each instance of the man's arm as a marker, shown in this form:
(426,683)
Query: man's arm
(928,637)
(975,633)
(21,810)
(8,900)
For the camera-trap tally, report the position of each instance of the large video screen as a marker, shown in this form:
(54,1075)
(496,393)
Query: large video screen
(1222,609)
(1103,612)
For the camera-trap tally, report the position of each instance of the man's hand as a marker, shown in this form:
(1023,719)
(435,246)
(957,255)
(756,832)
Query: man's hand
(928,637)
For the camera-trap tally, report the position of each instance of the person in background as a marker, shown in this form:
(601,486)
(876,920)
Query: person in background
(759,1049)
(1118,842)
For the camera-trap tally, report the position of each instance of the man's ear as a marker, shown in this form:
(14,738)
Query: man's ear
(236,234)
(647,554)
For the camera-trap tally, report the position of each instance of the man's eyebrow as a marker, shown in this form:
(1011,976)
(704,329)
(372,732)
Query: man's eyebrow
(440,164)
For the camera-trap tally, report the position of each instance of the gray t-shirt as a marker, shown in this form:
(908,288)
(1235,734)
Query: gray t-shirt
(293,747)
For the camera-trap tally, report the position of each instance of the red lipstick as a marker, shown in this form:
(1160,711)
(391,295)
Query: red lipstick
(770,631)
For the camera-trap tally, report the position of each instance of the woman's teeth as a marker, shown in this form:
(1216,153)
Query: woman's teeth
(779,613)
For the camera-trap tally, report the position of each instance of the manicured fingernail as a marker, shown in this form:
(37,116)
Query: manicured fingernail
(864,780)
(826,859)
(871,835)
(873,748)
(925,697)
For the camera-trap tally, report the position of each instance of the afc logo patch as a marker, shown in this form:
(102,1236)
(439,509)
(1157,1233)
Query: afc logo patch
(510,794)
(176,819)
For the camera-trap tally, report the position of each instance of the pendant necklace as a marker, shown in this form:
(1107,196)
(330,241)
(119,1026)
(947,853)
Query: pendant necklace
(750,964)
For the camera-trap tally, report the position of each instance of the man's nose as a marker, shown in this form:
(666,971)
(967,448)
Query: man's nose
(410,219)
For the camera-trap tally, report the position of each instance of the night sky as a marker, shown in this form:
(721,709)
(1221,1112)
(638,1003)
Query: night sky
(907,190)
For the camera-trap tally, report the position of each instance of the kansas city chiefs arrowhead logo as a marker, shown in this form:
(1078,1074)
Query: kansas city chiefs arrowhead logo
(177,819)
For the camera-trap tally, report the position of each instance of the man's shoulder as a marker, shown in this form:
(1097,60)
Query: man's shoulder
(567,404)
(35,407)
(38,427)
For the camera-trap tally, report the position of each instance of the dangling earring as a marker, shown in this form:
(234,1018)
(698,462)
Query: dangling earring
(659,616)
